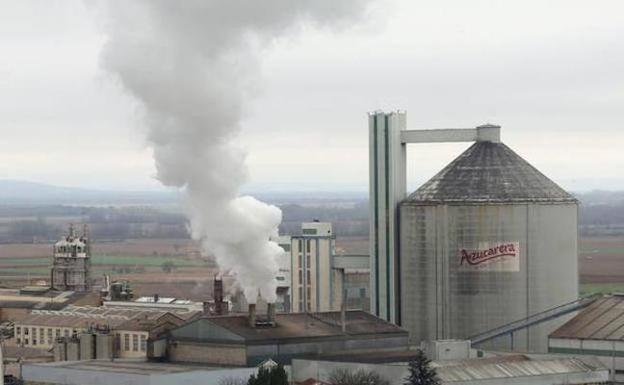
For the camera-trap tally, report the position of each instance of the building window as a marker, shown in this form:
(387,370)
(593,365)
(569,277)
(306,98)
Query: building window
(18,330)
(309,294)
(300,276)
(49,336)
(308,260)
(300,306)
(41,336)
(25,331)
(300,261)
(301,245)
(143,343)
(309,277)
(25,341)
(135,343)
(127,342)
(66,333)
(300,294)
(58,333)
(308,245)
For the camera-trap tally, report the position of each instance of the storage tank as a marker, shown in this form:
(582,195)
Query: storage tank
(487,241)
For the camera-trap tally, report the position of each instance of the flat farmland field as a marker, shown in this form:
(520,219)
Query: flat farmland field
(601,264)
(176,267)
(169,267)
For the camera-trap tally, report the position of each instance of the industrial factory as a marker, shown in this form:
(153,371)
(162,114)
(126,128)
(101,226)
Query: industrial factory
(462,268)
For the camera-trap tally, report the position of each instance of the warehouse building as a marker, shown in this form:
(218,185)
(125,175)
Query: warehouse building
(118,372)
(501,370)
(597,331)
(251,339)
(130,330)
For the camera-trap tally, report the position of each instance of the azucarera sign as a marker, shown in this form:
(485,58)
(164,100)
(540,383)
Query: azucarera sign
(499,256)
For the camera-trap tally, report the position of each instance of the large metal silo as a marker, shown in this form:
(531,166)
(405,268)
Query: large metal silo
(487,241)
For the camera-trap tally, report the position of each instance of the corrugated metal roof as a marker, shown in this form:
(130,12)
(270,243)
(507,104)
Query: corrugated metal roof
(489,172)
(288,326)
(515,368)
(602,320)
(85,316)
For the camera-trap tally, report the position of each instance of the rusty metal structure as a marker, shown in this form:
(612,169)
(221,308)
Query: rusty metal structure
(71,262)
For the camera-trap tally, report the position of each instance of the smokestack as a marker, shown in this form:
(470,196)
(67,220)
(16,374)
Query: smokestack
(194,131)
(271,313)
(218,289)
(252,315)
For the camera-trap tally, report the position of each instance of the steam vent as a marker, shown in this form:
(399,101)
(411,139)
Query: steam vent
(487,241)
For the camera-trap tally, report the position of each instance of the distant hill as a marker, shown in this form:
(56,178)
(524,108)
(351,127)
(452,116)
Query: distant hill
(23,192)
(600,197)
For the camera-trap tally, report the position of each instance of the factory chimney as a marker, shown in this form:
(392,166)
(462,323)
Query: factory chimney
(271,314)
(252,315)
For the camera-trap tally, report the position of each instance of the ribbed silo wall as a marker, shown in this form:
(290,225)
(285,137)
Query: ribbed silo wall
(442,298)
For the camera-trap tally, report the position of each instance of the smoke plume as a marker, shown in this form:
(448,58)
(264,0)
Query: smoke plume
(193,65)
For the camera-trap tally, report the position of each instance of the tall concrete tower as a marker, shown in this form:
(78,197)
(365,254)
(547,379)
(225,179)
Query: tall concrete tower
(388,137)
(71,262)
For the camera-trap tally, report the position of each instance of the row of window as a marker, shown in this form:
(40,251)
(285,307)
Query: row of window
(135,342)
(308,277)
(40,336)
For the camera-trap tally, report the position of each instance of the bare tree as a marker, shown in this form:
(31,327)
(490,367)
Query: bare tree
(359,377)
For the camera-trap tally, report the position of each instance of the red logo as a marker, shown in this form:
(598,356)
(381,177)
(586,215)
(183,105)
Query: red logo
(477,257)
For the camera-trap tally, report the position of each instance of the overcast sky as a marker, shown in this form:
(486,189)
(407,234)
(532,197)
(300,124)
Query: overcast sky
(550,72)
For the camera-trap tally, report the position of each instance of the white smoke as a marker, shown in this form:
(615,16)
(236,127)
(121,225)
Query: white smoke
(193,65)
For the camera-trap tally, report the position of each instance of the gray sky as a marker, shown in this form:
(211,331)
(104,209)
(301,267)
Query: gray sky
(550,72)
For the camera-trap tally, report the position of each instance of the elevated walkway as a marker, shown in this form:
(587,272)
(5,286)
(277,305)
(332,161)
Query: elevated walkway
(534,319)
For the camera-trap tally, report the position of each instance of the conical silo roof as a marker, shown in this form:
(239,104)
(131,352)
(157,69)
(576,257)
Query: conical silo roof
(489,172)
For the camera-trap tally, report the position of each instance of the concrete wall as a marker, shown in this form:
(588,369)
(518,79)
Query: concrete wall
(285,352)
(129,351)
(45,342)
(442,299)
(181,351)
(48,375)
(303,369)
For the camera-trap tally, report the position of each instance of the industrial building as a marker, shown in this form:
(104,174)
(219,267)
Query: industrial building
(474,248)
(118,372)
(596,331)
(314,278)
(71,262)
(500,370)
(16,304)
(246,340)
(129,330)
